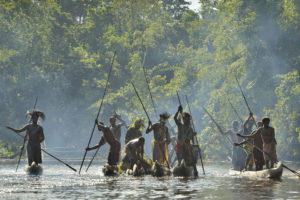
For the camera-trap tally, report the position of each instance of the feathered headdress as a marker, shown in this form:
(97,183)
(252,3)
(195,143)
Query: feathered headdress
(40,114)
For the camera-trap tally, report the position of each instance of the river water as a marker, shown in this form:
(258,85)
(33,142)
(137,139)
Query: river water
(59,182)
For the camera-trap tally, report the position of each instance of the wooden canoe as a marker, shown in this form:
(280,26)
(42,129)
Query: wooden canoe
(274,173)
(159,170)
(183,170)
(34,169)
(110,170)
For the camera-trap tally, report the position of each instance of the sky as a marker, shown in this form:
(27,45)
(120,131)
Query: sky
(195,4)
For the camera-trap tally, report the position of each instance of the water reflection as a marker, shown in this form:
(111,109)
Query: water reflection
(255,188)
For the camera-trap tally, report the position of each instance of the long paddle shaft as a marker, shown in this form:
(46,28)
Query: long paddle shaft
(37,97)
(98,110)
(283,165)
(53,156)
(199,150)
(190,151)
(217,125)
(137,94)
(244,97)
(153,105)
(235,111)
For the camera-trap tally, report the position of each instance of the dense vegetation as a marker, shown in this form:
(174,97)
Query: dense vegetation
(61,51)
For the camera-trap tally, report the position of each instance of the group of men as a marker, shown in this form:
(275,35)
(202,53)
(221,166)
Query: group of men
(258,146)
(134,141)
(253,147)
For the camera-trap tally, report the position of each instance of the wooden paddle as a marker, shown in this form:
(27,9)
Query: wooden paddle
(52,155)
(99,110)
(199,150)
(160,148)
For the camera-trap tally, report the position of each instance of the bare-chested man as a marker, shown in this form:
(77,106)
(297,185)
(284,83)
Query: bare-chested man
(184,148)
(114,150)
(257,141)
(116,128)
(134,131)
(161,139)
(134,150)
(35,135)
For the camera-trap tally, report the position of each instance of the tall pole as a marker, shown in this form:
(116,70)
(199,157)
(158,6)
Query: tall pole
(152,101)
(235,111)
(137,94)
(199,150)
(98,110)
(245,100)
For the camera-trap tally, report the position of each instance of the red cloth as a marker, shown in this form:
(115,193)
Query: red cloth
(114,153)
(270,152)
(179,148)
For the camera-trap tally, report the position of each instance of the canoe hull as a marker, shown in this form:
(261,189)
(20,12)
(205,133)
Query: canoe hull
(274,173)
(182,170)
(34,169)
(159,170)
(110,170)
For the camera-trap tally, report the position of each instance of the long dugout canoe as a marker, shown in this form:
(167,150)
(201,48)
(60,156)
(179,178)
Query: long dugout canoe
(274,173)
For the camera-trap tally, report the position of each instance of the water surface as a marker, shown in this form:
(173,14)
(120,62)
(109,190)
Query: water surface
(59,182)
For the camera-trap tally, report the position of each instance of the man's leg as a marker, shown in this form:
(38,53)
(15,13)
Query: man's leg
(114,153)
(267,164)
(29,155)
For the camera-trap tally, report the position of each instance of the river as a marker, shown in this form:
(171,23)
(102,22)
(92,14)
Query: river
(59,182)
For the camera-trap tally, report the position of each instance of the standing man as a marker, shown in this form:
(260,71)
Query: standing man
(233,136)
(267,134)
(35,136)
(257,141)
(185,136)
(269,142)
(114,150)
(161,139)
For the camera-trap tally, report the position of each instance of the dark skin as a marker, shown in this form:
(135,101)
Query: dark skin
(132,133)
(106,132)
(186,123)
(186,120)
(34,120)
(150,128)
